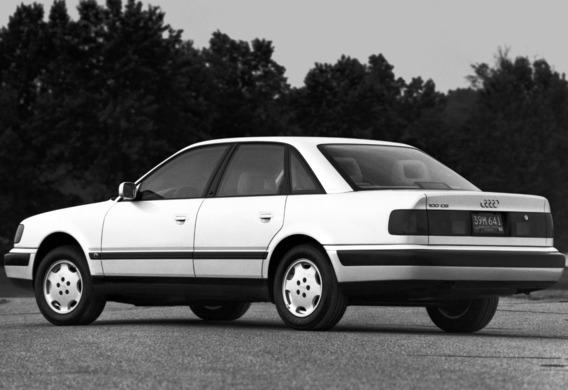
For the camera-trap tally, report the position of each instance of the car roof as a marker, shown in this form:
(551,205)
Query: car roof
(300,141)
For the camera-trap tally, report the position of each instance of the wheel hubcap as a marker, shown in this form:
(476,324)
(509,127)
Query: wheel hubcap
(302,288)
(63,287)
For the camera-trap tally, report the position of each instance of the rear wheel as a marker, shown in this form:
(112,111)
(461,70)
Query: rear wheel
(63,288)
(306,292)
(464,316)
(222,311)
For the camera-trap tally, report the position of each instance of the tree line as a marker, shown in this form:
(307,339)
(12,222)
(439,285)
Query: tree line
(89,103)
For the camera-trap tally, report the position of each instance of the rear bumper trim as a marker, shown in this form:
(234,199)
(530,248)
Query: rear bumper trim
(451,258)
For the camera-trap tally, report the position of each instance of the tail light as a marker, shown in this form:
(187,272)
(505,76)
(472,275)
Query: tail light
(530,225)
(408,223)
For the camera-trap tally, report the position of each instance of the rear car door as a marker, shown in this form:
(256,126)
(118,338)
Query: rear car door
(153,234)
(235,227)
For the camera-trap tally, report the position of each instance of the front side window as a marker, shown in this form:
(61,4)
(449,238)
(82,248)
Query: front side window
(254,169)
(371,167)
(186,176)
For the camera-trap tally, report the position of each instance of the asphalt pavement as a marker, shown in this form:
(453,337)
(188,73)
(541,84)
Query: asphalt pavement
(524,347)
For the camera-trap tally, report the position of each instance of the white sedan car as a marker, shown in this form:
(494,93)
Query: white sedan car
(310,224)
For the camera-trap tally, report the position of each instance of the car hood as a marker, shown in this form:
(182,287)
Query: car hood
(84,223)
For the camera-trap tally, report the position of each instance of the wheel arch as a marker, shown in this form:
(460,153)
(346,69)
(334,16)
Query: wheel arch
(54,240)
(280,250)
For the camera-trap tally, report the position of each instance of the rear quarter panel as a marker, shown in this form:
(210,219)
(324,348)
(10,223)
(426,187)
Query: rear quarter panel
(352,218)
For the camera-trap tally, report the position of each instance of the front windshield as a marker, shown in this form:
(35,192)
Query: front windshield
(372,167)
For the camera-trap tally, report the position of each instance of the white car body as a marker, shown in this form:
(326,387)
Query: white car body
(229,247)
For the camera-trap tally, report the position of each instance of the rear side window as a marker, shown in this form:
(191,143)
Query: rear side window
(185,176)
(302,181)
(371,167)
(254,170)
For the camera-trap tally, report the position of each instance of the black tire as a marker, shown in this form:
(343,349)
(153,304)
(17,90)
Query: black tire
(222,311)
(313,302)
(73,300)
(464,316)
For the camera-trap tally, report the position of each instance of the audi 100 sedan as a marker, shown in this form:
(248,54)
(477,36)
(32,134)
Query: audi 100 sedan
(310,224)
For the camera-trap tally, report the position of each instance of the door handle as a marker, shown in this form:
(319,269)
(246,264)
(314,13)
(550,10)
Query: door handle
(265,216)
(180,219)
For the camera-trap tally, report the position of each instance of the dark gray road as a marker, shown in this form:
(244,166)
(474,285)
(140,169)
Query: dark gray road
(526,346)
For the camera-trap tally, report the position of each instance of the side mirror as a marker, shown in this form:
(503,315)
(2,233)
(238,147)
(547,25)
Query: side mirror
(127,191)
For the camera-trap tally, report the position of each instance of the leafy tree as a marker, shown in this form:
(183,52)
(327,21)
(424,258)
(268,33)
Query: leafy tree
(244,87)
(461,104)
(351,99)
(23,54)
(515,139)
(330,104)
(116,93)
(107,87)
(87,103)
(422,108)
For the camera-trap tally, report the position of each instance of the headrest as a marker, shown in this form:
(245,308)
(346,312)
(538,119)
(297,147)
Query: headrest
(255,183)
(408,172)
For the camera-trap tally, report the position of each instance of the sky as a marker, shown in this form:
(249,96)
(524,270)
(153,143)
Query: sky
(432,39)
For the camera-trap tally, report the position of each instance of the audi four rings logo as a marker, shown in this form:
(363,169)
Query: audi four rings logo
(489,203)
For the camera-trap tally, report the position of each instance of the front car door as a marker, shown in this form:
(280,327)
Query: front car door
(234,228)
(153,235)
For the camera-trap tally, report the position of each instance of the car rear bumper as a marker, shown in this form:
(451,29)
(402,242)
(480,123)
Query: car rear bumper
(421,275)
(450,263)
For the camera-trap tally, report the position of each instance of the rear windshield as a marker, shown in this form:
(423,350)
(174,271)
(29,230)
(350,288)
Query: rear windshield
(372,167)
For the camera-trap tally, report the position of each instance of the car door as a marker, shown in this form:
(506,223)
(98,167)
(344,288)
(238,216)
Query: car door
(235,227)
(153,234)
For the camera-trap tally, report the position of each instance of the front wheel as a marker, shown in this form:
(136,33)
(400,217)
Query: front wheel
(63,288)
(222,311)
(464,316)
(306,292)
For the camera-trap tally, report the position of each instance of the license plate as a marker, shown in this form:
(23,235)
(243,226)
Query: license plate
(487,224)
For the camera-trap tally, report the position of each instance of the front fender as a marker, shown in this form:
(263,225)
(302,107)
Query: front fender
(82,223)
